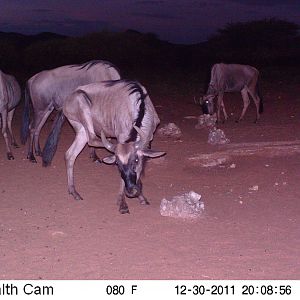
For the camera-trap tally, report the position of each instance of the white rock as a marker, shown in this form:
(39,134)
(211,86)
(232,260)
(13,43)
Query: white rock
(217,136)
(187,206)
(206,121)
(170,130)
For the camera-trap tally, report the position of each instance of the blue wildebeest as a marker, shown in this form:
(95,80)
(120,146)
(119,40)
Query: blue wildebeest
(120,109)
(48,90)
(232,78)
(10,95)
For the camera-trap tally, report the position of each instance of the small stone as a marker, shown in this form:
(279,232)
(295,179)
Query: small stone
(190,117)
(253,188)
(57,233)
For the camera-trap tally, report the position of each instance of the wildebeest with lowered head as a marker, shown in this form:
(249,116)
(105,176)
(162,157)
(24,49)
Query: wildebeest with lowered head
(48,90)
(120,109)
(232,78)
(10,95)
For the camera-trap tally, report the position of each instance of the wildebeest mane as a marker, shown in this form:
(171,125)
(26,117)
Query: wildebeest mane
(133,87)
(92,63)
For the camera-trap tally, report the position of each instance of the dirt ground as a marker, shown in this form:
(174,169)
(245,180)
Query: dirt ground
(250,228)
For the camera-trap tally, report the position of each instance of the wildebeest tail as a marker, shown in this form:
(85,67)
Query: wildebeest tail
(52,140)
(25,117)
(261,103)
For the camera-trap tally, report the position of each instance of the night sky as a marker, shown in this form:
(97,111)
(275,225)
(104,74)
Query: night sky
(177,21)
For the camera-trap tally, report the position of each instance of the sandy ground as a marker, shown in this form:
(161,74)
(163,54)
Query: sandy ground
(245,232)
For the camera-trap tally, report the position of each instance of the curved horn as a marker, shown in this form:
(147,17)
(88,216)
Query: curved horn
(109,146)
(142,135)
(201,98)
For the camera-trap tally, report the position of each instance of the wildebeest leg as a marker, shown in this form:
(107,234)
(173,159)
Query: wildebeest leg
(9,121)
(94,156)
(220,105)
(143,200)
(35,128)
(30,155)
(94,140)
(246,102)
(256,100)
(123,207)
(224,110)
(141,197)
(39,126)
(71,155)
(5,135)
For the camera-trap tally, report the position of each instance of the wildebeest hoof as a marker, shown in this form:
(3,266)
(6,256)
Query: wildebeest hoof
(76,196)
(124,211)
(95,158)
(97,161)
(144,201)
(31,158)
(38,153)
(10,156)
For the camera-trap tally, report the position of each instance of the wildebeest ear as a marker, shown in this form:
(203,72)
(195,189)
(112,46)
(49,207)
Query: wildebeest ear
(109,159)
(152,153)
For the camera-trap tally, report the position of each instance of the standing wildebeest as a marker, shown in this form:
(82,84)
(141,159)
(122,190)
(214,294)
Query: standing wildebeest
(232,78)
(120,109)
(10,95)
(48,91)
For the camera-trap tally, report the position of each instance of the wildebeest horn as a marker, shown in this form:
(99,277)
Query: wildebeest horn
(142,135)
(198,100)
(201,100)
(109,146)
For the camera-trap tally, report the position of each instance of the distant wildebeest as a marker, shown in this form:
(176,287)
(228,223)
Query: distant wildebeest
(232,78)
(48,90)
(10,95)
(120,109)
